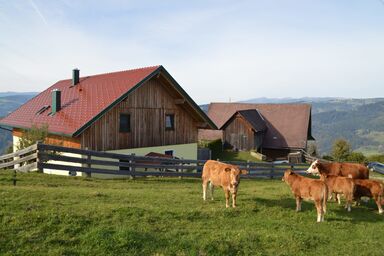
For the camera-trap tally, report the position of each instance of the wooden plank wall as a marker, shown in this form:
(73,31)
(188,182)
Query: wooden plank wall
(147,106)
(235,130)
(54,139)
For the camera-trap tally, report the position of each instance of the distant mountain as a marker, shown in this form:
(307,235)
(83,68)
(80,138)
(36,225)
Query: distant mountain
(9,101)
(5,94)
(360,121)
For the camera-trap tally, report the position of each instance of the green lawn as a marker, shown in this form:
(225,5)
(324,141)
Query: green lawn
(53,215)
(229,155)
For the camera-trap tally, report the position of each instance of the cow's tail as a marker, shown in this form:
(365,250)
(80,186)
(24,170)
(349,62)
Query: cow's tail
(325,197)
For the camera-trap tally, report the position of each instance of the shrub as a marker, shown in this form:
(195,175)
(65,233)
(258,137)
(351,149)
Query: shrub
(216,147)
(356,157)
(32,136)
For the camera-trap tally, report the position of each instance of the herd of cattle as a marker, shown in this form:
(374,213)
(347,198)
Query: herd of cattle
(336,179)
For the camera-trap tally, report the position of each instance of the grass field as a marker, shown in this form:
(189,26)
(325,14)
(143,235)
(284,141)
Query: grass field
(52,215)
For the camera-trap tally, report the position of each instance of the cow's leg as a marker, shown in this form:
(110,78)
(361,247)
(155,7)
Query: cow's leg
(338,196)
(226,191)
(298,203)
(234,195)
(211,187)
(378,203)
(319,210)
(205,183)
(348,198)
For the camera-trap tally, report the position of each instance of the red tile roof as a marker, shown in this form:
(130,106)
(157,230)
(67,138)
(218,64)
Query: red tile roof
(289,125)
(84,102)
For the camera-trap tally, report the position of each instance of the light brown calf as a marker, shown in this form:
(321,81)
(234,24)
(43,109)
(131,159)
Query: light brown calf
(306,188)
(224,175)
(340,185)
(369,188)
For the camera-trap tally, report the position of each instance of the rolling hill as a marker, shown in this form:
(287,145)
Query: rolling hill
(10,101)
(360,121)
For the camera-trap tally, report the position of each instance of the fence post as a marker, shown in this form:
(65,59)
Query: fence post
(38,143)
(14,177)
(133,168)
(272,171)
(89,173)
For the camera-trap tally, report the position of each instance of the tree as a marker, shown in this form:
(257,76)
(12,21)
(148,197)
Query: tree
(341,149)
(32,136)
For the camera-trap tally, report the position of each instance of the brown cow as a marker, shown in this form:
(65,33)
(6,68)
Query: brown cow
(224,175)
(340,185)
(353,170)
(369,188)
(306,188)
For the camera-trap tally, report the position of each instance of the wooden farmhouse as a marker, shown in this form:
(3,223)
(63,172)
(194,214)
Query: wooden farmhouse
(274,130)
(135,111)
(245,130)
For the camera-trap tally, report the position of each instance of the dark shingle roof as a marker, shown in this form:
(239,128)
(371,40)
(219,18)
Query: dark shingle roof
(252,116)
(289,125)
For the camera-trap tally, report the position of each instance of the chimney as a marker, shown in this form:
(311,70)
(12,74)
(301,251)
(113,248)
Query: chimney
(56,101)
(75,76)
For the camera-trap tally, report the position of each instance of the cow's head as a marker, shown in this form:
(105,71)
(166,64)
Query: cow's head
(313,168)
(287,173)
(234,174)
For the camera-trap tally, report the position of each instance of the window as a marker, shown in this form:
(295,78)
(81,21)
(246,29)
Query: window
(168,152)
(125,122)
(169,122)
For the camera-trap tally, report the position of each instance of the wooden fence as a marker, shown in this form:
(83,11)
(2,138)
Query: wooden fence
(71,161)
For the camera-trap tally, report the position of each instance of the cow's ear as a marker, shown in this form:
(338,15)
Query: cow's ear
(290,172)
(245,172)
(227,169)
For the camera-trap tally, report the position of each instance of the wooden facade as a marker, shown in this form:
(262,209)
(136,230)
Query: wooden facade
(54,139)
(147,107)
(240,135)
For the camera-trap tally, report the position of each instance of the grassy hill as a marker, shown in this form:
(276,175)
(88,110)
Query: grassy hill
(54,215)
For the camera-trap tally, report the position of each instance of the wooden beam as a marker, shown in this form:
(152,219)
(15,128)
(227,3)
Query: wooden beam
(202,124)
(179,101)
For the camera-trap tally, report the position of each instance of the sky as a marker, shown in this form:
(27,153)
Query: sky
(218,51)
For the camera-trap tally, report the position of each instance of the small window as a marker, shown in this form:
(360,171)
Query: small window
(125,122)
(168,152)
(169,122)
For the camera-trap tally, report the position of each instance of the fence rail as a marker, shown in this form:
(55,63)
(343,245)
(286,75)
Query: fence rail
(90,162)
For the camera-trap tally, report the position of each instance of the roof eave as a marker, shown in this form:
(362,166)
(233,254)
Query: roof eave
(28,128)
(190,100)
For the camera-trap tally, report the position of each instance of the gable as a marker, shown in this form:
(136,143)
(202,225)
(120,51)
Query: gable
(288,125)
(88,101)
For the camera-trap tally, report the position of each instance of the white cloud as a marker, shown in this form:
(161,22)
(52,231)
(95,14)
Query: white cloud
(215,53)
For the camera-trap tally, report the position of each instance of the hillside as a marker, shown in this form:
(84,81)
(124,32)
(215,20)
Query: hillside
(10,101)
(360,121)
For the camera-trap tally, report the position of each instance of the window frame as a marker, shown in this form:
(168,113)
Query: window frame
(172,122)
(128,128)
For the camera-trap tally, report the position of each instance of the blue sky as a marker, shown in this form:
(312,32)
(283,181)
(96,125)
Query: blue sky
(216,50)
